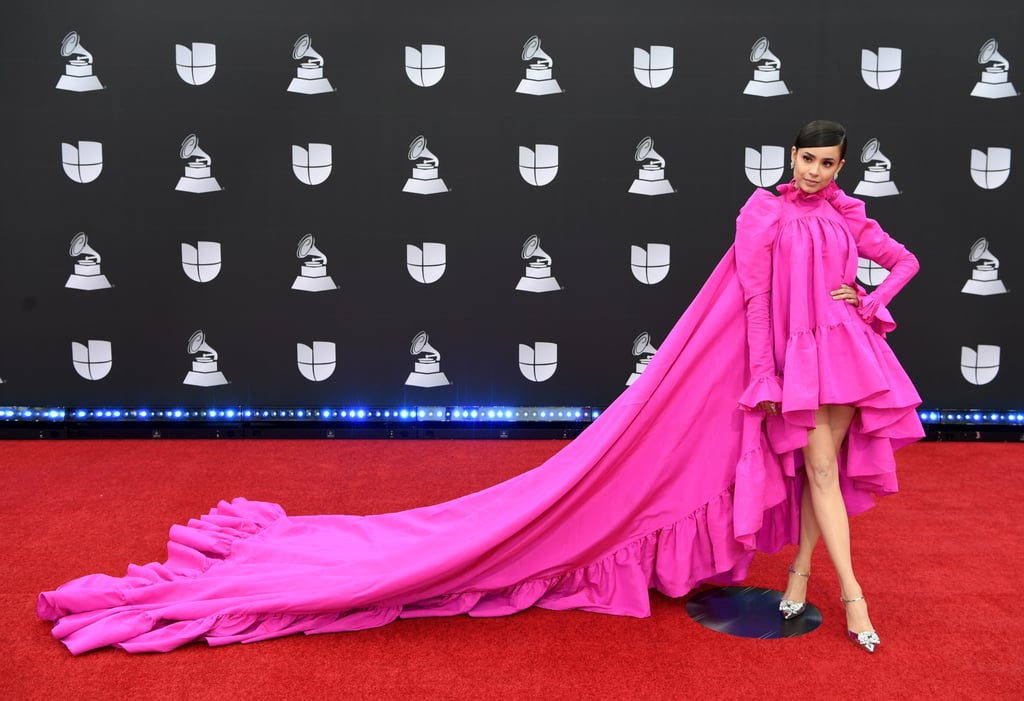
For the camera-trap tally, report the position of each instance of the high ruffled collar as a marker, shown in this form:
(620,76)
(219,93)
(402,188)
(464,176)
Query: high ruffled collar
(829,192)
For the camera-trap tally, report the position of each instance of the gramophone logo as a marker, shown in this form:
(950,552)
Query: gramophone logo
(539,361)
(650,179)
(313,275)
(197,63)
(425,178)
(877,173)
(427,367)
(985,276)
(426,263)
(990,168)
(204,372)
(870,273)
(995,76)
(93,359)
(198,177)
(881,69)
(202,261)
(653,68)
(643,351)
(87,274)
(650,263)
(425,65)
(309,78)
(764,168)
(317,362)
(537,277)
(538,165)
(312,164)
(539,78)
(979,366)
(82,163)
(767,80)
(78,76)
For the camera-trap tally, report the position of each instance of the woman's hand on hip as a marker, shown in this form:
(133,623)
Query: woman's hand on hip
(846,293)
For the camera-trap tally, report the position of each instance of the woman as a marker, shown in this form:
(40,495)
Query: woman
(672,486)
(797,262)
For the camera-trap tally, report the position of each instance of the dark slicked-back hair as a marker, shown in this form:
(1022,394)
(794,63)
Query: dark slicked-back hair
(822,132)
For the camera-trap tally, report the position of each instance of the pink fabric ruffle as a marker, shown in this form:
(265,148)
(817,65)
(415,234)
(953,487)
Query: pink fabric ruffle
(144,610)
(874,313)
(766,388)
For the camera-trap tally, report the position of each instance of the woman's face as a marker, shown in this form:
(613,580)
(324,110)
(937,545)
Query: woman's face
(815,167)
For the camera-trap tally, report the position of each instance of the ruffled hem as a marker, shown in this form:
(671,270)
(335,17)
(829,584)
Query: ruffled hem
(140,612)
(767,496)
(766,388)
(874,313)
(847,363)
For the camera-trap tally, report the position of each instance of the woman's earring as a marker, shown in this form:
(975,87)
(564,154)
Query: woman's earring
(791,165)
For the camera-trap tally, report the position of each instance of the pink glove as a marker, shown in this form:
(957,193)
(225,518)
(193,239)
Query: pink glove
(765,385)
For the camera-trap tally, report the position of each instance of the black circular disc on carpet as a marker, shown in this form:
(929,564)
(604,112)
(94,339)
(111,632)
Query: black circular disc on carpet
(749,612)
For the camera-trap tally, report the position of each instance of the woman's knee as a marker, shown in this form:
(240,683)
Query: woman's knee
(822,470)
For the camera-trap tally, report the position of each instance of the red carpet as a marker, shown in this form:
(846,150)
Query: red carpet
(941,564)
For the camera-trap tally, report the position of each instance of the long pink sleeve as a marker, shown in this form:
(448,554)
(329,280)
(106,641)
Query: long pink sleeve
(876,245)
(756,229)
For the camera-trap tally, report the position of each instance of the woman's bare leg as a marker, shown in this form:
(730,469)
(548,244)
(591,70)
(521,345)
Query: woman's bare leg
(796,587)
(822,467)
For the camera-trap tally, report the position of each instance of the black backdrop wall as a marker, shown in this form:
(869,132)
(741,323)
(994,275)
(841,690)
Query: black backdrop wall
(174,244)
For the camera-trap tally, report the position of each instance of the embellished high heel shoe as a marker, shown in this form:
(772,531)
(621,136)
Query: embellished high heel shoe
(792,609)
(867,640)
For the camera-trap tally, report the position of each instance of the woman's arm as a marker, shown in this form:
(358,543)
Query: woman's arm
(756,229)
(874,244)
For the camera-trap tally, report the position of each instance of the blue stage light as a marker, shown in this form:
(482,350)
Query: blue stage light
(978,419)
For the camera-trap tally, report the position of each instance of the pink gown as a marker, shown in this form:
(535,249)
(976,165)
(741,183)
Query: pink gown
(674,485)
